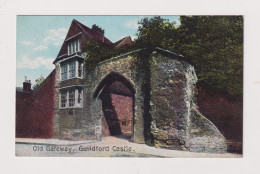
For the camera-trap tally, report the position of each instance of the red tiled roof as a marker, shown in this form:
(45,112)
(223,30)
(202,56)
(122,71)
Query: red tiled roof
(92,33)
(126,41)
(77,28)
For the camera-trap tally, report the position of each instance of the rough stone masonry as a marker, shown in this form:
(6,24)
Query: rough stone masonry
(161,86)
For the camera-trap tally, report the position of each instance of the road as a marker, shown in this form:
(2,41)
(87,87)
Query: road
(108,147)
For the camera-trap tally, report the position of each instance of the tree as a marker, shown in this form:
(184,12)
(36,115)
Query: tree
(213,44)
(156,32)
(98,52)
(38,83)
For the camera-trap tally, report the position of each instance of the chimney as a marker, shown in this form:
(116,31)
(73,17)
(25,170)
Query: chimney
(99,31)
(27,85)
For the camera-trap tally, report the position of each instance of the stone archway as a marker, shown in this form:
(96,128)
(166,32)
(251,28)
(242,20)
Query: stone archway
(117,96)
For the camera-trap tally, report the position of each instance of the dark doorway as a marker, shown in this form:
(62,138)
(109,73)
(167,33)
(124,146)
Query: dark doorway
(117,95)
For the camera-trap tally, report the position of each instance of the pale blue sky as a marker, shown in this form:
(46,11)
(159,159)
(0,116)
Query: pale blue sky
(39,39)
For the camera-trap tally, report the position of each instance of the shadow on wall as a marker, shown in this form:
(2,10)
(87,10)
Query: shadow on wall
(117,95)
(110,115)
(226,114)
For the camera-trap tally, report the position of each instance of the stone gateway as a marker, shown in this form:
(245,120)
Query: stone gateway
(148,95)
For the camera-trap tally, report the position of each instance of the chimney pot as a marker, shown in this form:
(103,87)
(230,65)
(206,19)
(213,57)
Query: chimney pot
(27,86)
(98,29)
(100,32)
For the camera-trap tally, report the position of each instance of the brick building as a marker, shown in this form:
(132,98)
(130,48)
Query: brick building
(35,109)
(145,95)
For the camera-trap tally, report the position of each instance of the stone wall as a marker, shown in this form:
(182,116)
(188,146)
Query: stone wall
(164,113)
(172,88)
(176,123)
(204,135)
(127,66)
(68,123)
(161,86)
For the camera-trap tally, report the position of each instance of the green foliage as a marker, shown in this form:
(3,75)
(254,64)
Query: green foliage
(38,83)
(156,32)
(98,52)
(213,44)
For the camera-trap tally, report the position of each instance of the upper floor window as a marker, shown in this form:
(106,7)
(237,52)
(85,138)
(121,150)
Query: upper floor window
(72,67)
(64,69)
(80,69)
(73,46)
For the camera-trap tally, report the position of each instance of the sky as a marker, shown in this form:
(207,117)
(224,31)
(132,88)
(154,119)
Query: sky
(39,39)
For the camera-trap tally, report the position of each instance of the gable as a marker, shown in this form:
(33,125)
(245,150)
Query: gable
(126,41)
(82,32)
(74,31)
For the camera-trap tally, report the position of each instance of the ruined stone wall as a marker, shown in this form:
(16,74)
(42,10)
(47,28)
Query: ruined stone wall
(172,88)
(129,67)
(175,121)
(204,135)
(164,110)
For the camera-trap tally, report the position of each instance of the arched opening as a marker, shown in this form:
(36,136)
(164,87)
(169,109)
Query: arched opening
(117,96)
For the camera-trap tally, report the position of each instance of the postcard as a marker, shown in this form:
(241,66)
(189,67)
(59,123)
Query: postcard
(129,86)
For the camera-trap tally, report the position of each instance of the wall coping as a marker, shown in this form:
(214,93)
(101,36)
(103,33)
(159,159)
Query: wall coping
(160,50)
(120,56)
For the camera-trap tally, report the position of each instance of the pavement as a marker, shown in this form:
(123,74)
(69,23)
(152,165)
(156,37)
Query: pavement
(108,147)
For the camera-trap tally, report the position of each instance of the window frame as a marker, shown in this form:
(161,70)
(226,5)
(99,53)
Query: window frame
(72,69)
(73,46)
(72,99)
(80,69)
(63,99)
(79,99)
(64,71)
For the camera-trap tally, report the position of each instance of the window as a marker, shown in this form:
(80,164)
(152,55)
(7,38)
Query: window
(73,47)
(63,99)
(79,95)
(71,69)
(80,70)
(71,98)
(72,66)
(64,69)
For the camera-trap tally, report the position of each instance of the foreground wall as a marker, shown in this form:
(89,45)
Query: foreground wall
(129,67)
(176,123)
(165,113)
(172,91)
